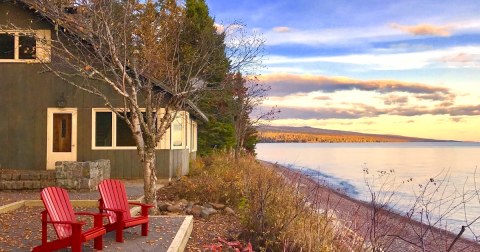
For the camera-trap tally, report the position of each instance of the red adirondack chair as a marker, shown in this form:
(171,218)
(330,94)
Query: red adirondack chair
(114,202)
(59,212)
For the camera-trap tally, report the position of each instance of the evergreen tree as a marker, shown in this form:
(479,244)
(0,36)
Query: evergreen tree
(216,100)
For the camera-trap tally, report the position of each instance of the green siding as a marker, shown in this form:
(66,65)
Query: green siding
(26,95)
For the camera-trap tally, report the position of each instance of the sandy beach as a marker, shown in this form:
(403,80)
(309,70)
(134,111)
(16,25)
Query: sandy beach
(364,224)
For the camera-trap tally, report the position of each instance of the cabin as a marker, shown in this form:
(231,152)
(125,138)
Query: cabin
(44,120)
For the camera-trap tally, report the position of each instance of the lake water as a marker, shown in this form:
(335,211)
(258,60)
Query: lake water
(446,169)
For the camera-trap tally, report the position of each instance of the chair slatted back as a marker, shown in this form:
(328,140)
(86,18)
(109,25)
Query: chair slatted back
(57,203)
(114,196)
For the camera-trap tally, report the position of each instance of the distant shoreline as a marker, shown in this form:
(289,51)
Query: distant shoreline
(284,134)
(357,214)
(423,141)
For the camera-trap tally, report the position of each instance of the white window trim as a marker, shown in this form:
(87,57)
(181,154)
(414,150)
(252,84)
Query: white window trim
(188,133)
(194,137)
(168,134)
(165,142)
(42,50)
(114,129)
(183,134)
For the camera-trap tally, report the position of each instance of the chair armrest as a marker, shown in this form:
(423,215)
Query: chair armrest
(92,214)
(113,210)
(97,217)
(140,204)
(66,222)
(145,207)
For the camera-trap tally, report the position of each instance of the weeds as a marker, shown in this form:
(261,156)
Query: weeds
(274,210)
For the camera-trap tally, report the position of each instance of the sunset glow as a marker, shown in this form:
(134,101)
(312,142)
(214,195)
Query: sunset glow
(407,68)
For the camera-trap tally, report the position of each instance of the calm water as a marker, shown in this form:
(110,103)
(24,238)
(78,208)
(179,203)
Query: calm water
(405,168)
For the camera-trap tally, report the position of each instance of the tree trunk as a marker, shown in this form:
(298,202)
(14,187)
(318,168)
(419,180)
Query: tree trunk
(150,178)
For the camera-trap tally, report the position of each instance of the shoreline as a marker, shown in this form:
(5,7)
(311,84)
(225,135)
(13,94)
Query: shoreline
(376,224)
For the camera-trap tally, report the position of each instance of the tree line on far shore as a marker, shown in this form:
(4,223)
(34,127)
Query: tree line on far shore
(299,137)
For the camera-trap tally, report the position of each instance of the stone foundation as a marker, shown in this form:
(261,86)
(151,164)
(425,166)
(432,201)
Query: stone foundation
(26,180)
(81,175)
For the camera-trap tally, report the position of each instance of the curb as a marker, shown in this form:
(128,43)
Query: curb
(12,206)
(75,203)
(179,243)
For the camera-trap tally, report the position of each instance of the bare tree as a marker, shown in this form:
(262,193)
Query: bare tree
(135,57)
(248,96)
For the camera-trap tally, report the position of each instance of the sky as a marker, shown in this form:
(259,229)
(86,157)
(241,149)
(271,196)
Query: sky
(409,67)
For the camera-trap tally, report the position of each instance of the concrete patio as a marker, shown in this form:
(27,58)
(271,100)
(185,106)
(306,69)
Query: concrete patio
(166,233)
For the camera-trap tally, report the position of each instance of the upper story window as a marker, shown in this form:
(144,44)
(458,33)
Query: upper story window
(22,46)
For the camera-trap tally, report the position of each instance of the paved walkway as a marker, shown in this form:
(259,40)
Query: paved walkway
(20,229)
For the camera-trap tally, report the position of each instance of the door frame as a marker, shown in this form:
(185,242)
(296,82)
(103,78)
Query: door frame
(52,157)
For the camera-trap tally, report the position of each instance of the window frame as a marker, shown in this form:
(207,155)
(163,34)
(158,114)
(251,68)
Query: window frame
(188,133)
(165,143)
(114,131)
(183,115)
(194,135)
(42,50)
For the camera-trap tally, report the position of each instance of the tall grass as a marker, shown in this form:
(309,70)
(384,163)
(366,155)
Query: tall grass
(274,211)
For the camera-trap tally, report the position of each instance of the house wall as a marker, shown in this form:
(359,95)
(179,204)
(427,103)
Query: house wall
(26,92)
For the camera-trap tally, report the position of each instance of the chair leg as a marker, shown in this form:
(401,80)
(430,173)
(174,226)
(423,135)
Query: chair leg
(119,234)
(77,247)
(98,243)
(145,229)
(76,239)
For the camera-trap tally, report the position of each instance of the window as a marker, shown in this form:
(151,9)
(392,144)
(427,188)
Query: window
(164,142)
(188,131)
(27,47)
(21,46)
(177,132)
(7,46)
(193,137)
(124,134)
(110,131)
(103,129)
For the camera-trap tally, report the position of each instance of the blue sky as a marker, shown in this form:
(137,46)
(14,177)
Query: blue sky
(396,67)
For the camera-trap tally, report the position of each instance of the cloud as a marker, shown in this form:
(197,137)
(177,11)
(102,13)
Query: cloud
(433,96)
(356,111)
(461,59)
(375,60)
(395,100)
(424,29)
(335,36)
(322,98)
(458,58)
(327,113)
(456,119)
(284,84)
(219,27)
(282,29)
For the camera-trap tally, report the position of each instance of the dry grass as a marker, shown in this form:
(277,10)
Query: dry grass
(274,211)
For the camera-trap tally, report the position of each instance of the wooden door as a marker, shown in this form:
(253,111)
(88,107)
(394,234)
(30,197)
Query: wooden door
(62,132)
(61,135)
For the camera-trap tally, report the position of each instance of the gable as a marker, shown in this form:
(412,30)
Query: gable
(19,15)
(25,36)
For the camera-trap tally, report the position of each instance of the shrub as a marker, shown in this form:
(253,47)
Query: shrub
(212,180)
(274,210)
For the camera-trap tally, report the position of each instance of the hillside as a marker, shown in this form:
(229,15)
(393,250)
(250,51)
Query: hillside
(284,134)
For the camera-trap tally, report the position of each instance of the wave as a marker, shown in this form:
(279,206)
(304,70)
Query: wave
(325,179)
